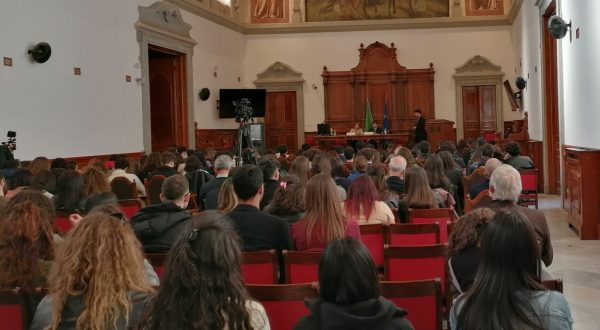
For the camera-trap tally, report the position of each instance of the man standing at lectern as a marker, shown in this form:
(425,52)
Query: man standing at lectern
(420,132)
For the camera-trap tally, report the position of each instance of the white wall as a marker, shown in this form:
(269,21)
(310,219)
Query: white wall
(581,74)
(58,114)
(446,48)
(527,43)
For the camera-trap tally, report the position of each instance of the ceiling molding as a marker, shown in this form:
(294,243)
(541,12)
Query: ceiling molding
(514,10)
(341,26)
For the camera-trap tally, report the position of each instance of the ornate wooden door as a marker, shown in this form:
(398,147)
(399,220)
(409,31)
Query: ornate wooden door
(281,120)
(479,110)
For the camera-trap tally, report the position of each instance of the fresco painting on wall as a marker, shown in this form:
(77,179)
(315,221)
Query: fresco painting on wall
(347,10)
(269,11)
(484,7)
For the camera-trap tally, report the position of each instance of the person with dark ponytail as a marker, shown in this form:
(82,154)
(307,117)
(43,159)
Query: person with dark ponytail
(507,293)
(203,287)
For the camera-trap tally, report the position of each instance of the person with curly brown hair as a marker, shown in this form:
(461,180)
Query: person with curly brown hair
(288,200)
(464,247)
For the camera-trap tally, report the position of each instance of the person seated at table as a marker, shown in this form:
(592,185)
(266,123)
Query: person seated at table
(356,130)
(376,129)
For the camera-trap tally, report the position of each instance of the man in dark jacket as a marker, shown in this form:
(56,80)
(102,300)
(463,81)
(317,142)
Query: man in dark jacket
(270,169)
(396,179)
(258,230)
(168,165)
(209,192)
(420,131)
(159,226)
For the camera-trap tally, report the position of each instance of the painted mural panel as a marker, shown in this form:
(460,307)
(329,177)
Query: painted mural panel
(347,10)
(269,11)
(484,7)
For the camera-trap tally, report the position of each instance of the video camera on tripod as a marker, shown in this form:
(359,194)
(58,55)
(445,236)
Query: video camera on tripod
(243,111)
(7,148)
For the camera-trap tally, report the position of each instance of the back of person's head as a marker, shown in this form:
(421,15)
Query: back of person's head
(94,181)
(21,178)
(418,192)
(301,168)
(348,153)
(360,164)
(204,265)
(487,150)
(59,163)
(282,149)
(339,150)
(223,163)
(99,199)
(321,164)
(323,209)
(101,259)
(505,184)
(153,162)
(397,165)
(44,180)
(168,158)
(305,146)
(247,181)
(368,153)
(360,145)
(378,174)
(407,154)
(25,237)
(192,163)
(268,167)
(480,141)
(447,160)
(447,146)
(175,187)
(121,163)
(436,176)
(508,267)
(424,147)
(513,148)
(39,164)
(347,273)
(491,165)
(69,190)
(338,170)
(361,198)
(288,198)
(469,230)
(227,198)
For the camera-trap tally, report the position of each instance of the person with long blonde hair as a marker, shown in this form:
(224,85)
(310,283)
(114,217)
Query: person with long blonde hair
(323,221)
(27,245)
(98,280)
(94,181)
(418,193)
(227,198)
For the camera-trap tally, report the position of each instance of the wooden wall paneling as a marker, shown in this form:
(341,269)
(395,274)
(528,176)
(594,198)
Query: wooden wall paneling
(535,150)
(439,130)
(218,139)
(487,104)
(82,161)
(281,120)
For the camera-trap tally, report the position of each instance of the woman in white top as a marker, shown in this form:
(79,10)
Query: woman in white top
(507,293)
(203,287)
(363,205)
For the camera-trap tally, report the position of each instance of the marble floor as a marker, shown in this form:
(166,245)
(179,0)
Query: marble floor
(577,262)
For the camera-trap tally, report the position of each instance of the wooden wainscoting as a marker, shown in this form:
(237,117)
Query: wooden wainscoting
(218,139)
(82,161)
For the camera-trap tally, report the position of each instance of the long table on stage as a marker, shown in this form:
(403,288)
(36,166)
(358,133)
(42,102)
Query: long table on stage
(333,140)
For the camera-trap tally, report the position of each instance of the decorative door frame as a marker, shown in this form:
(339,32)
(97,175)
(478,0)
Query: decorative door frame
(478,71)
(161,25)
(280,77)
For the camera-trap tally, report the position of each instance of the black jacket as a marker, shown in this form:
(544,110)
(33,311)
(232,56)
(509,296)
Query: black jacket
(420,131)
(270,187)
(396,184)
(374,314)
(165,171)
(260,231)
(159,226)
(208,195)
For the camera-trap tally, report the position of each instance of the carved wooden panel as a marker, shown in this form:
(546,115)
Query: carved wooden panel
(379,77)
(280,120)
(218,139)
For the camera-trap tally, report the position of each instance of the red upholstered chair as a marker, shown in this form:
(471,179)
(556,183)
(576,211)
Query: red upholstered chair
(421,299)
(62,223)
(440,216)
(15,309)
(483,197)
(260,267)
(415,263)
(153,187)
(301,267)
(477,177)
(373,236)
(529,182)
(158,262)
(554,285)
(130,206)
(109,164)
(413,234)
(489,136)
(284,303)
(123,188)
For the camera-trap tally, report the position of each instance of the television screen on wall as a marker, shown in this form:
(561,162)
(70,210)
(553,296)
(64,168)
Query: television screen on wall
(227,97)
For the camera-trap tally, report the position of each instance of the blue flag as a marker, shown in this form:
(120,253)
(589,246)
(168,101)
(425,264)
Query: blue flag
(386,127)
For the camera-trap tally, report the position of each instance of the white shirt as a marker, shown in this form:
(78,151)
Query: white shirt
(131,177)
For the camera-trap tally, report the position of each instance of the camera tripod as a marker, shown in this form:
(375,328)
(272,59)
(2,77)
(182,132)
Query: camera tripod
(243,136)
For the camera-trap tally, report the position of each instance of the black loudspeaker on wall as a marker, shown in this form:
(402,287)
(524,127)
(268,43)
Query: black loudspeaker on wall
(40,53)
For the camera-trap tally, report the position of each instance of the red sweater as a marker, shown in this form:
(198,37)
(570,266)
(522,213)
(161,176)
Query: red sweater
(317,243)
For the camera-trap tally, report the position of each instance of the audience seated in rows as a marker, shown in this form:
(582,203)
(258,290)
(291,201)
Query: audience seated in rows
(197,176)
(121,166)
(408,156)
(151,164)
(348,154)
(505,189)
(203,285)
(482,154)
(70,194)
(39,164)
(513,149)
(159,226)
(360,167)
(424,148)
(227,198)
(395,181)
(324,220)
(464,247)
(258,230)
(321,164)
(288,201)
(506,293)
(167,167)
(95,181)
(339,174)
(270,169)
(20,180)
(378,174)
(490,166)
(450,147)
(301,168)
(363,204)
(418,194)
(27,243)
(44,181)
(98,280)
(208,195)
(349,292)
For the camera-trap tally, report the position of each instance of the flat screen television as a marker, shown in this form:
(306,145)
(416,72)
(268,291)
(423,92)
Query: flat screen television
(257,98)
